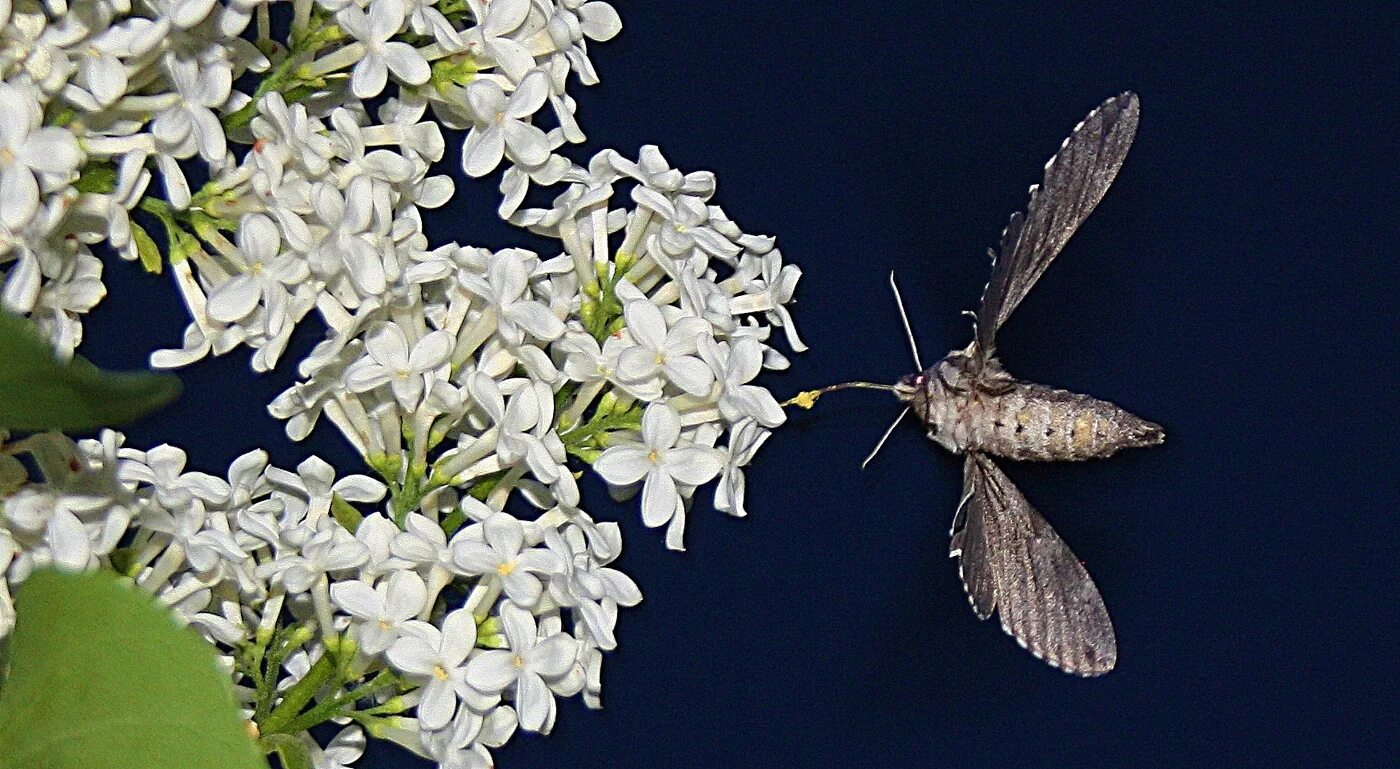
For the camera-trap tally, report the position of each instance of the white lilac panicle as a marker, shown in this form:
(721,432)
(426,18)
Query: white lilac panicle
(446,602)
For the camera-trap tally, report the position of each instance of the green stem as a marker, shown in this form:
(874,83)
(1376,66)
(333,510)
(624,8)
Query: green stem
(581,436)
(284,76)
(336,708)
(300,694)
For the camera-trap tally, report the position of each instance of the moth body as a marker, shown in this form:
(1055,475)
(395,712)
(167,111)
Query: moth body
(995,413)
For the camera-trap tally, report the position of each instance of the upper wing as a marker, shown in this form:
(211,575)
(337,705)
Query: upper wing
(1075,181)
(1045,597)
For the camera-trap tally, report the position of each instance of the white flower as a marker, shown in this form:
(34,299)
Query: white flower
(422,542)
(381,54)
(407,370)
(315,482)
(344,749)
(573,20)
(204,547)
(660,464)
(190,124)
(436,656)
(162,467)
(504,288)
(381,609)
(55,517)
(347,245)
(331,549)
(501,125)
(32,158)
(495,22)
(462,743)
(503,554)
(734,368)
(745,439)
(527,665)
(270,273)
(594,591)
(663,351)
(530,409)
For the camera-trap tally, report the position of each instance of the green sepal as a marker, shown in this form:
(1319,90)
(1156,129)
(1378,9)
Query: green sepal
(345,513)
(146,249)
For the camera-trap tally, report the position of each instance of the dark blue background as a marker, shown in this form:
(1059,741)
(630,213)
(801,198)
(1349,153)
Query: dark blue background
(1237,285)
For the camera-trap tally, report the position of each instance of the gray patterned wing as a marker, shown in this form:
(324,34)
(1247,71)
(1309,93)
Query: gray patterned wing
(969,546)
(1045,597)
(1075,181)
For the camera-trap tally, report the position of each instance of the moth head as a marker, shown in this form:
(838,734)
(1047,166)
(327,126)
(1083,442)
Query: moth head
(911,387)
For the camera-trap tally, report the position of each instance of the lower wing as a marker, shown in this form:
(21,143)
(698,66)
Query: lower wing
(1012,561)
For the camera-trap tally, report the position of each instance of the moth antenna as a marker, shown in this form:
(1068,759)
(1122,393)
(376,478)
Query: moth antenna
(885,437)
(908,330)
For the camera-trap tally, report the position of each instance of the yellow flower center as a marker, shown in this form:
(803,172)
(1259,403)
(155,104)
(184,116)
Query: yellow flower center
(517,661)
(439,673)
(506,568)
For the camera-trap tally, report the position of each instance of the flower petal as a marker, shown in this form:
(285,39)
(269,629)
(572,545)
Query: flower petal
(623,465)
(661,425)
(369,76)
(406,594)
(504,534)
(406,63)
(437,704)
(645,323)
(234,299)
(659,498)
(491,670)
(359,600)
(553,656)
(692,465)
(533,701)
(689,373)
(483,150)
(528,144)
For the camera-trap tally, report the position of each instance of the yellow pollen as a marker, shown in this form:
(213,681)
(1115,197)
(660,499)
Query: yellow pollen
(401,375)
(439,673)
(652,457)
(660,359)
(385,624)
(517,661)
(505,568)
(6,155)
(804,400)
(256,268)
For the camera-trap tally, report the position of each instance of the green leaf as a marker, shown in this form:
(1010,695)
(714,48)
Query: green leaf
(146,249)
(101,676)
(40,392)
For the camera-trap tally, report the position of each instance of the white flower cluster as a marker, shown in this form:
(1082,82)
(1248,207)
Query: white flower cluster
(469,379)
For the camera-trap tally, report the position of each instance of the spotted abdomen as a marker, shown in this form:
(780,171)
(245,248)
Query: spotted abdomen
(1034,422)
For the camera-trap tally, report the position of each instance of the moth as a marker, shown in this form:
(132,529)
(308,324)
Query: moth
(1010,560)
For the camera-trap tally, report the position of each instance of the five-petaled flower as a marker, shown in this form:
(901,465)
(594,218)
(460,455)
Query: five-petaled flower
(660,465)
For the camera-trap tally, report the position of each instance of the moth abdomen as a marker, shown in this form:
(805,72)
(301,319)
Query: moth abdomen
(1039,423)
